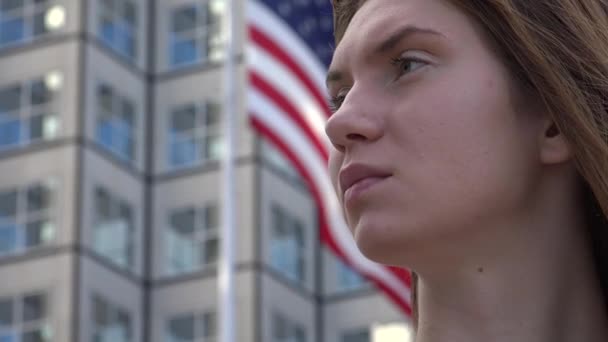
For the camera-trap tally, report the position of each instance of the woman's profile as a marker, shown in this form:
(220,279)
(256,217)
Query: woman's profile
(471,146)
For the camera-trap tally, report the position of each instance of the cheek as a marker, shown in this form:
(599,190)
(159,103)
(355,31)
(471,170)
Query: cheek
(467,117)
(335,163)
(469,152)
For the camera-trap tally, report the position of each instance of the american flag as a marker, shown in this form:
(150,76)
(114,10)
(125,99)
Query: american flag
(289,51)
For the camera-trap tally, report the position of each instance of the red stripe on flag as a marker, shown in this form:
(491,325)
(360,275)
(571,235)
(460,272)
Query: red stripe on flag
(287,107)
(269,45)
(403,275)
(323,223)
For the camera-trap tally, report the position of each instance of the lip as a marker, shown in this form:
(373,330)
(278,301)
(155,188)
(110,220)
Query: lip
(360,177)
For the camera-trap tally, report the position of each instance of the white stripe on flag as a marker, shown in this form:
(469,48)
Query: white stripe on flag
(291,88)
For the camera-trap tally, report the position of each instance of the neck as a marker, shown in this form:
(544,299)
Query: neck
(538,284)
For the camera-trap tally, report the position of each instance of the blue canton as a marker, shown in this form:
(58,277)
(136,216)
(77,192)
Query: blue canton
(312,20)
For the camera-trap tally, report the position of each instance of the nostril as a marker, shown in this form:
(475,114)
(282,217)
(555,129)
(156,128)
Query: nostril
(355,136)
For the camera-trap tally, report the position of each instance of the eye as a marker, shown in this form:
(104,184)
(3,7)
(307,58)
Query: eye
(336,101)
(406,65)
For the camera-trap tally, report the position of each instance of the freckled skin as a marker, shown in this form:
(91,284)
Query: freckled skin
(458,148)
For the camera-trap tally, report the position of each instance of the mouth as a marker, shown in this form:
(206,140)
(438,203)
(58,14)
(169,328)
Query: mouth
(355,179)
(359,188)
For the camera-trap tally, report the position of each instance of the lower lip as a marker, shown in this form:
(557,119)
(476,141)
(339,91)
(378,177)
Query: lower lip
(360,188)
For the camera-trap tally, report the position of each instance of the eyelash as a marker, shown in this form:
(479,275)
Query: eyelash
(336,101)
(399,62)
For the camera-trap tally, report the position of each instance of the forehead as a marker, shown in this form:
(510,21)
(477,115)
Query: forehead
(377,19)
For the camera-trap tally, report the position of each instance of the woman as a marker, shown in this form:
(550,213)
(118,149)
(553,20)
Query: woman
(471,146)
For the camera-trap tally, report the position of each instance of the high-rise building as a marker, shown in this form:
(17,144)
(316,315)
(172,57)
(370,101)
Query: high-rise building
(109,189)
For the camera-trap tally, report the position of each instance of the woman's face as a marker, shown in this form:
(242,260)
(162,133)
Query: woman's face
(431,144)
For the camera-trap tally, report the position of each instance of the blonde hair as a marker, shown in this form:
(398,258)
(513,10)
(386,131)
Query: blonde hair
(558,50)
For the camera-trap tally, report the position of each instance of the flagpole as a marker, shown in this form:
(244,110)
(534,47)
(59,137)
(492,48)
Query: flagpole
(226,289)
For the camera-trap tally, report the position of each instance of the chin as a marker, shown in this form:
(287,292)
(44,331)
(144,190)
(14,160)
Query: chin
(382,242)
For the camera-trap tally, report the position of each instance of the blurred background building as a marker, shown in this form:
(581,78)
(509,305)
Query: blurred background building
(109,189)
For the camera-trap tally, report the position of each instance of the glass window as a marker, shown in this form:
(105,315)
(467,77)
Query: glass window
(28,111)
(287,245)
(35,336)
(8,205)
(34,307)
(349,279)
(10,99)
(6,312)
(111,323)
(195,34)
(194,134)
(181,329)
(25,319)
(113,229)
(192,327)
(208,327)
(12,22)
(27,217)
(23,20)
(359,335)
(38,198)
(40,93)
(117,26)
(115,128)
(10,116)
(184,49)
(11,5)
(192,239)
(277,160)
(285,330)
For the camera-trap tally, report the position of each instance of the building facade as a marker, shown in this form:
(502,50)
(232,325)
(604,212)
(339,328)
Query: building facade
(110,136)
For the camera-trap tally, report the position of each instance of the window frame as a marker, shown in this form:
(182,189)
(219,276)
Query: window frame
(206,35)
(293,223)
(19,326)
(114,120)
(197,136)
(200,332)
(114,313)
(28,13)
(27,111)
(354,335)
(292,329)
(201,235)
(23,218)
(116,204)
(122,30)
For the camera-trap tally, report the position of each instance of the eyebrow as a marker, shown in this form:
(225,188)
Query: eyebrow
(403,33)
(386,45)
(334,76)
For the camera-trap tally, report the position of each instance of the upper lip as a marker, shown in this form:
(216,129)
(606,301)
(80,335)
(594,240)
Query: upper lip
(354,173)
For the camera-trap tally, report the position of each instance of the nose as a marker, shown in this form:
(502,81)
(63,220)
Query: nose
(353,123)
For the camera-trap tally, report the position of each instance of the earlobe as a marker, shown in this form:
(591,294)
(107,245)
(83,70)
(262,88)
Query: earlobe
(554,148)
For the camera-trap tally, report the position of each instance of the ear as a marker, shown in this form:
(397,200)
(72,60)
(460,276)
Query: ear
(554,148)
